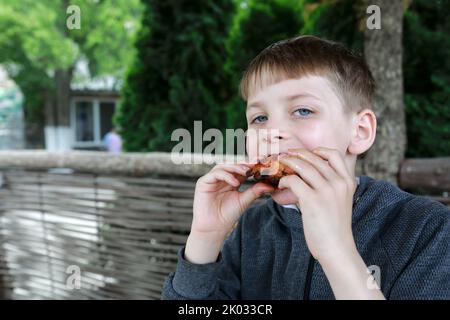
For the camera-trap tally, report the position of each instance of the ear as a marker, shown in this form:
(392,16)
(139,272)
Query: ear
(364,132)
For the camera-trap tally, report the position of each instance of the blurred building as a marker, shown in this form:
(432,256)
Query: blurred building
(11,114)
(91,107)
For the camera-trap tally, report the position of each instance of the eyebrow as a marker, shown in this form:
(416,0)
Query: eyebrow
(253,105)
(301,95)
(258,104)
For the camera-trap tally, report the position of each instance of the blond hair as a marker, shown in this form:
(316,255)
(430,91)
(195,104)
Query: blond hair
(308,55)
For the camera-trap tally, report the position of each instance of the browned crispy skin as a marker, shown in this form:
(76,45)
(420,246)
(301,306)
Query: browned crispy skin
(269,171)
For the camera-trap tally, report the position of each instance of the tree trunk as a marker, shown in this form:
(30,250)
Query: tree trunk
(57,112)
(62,81)
(383,53)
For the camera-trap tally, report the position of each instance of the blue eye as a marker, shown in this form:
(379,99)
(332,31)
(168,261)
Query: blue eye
(259,119)
(303,112)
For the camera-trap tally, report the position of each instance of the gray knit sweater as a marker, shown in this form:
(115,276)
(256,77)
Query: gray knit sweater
(406,236)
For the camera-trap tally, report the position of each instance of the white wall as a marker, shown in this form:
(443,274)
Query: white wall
(58,138)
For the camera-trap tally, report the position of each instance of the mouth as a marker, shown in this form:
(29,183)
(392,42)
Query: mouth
(269,170)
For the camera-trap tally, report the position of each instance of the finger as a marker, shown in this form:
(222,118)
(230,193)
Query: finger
(319,163)
(216,176)
(254,192)
(295,184)
(238,169)
(246,163)
(306,171)
(241,178)
(335,160)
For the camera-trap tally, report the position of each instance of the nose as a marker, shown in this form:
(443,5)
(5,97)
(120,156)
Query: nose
(273,138)
(273,141)
(275,135)
(277,130)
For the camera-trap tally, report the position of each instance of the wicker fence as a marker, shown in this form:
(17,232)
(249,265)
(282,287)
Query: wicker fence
(117,220)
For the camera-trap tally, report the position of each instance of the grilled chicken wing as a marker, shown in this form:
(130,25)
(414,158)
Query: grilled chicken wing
(269,170)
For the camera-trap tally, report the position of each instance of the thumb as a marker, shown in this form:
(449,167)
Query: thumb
(253,193)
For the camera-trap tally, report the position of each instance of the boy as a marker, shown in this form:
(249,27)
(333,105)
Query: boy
(323,228)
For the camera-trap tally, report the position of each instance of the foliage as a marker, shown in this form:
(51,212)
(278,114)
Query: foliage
(256,25)
(177,76)
(426,70)
(35,42)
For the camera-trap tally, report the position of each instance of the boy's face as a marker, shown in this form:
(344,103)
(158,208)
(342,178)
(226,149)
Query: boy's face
(298,113)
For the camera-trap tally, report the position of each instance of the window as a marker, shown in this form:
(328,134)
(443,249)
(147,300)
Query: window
(84,120)
(106,114)
(91,120)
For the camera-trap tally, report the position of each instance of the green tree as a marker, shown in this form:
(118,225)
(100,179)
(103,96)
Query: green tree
(256,25)
(177,76)
(40,52)
(340,21)
(426,67)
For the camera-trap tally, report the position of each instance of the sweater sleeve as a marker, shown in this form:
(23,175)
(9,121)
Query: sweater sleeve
(218,280)
(427,273)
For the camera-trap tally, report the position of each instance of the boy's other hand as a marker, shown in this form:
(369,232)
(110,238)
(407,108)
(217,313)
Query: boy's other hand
(324,188)
(218,204)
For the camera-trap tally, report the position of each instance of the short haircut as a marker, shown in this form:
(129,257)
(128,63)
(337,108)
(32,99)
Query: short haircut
(308,55)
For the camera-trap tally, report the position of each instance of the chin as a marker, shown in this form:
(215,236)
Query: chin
(284,196)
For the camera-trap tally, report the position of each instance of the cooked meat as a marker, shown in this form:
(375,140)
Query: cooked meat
(269,170)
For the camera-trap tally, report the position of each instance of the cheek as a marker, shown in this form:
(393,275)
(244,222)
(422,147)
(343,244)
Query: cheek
(321,134)
(312,135)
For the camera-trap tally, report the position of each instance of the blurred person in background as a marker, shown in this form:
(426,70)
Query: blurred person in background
(113,142)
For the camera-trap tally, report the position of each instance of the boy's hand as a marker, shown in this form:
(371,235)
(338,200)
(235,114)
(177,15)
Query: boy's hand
(217,206)
(325,190)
